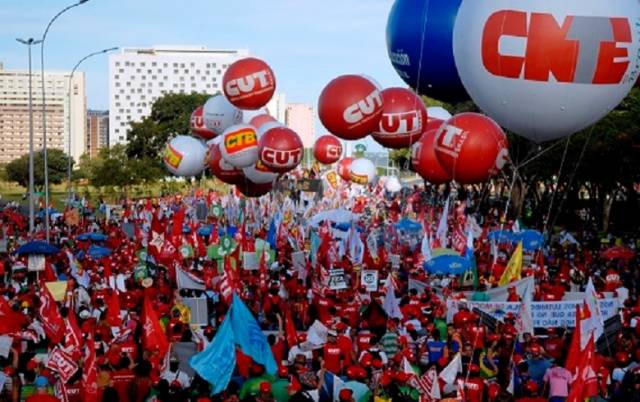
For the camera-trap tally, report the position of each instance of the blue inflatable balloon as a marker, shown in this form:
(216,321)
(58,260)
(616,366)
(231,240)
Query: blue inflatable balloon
(437,76)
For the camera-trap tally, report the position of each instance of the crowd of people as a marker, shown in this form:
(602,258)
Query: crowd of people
(108,312)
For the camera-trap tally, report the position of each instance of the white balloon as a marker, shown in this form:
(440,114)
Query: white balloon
(546,69)
(185,156)
(239,145)
(259,173)
(393,184)
(219,114)
(438,112)
(362,171)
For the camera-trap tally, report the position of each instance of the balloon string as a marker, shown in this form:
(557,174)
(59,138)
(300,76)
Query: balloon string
(573,174)
(555,191)
(539,154)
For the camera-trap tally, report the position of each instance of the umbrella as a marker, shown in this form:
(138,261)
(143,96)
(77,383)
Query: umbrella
(501,236)
(96,252)
(408,225)
(437,252)
(92,237)
(531,239)
(618,253)
(447,265)
(37,247)
(52,211)
(334,215)
(205,230)
(186,229)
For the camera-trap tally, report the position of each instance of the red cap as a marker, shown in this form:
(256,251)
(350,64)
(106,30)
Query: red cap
(622,358)
(341,326)
(377,363)
(345,394)
(265,387)
(473,368)
(283,372)
(535,349)
(531,386)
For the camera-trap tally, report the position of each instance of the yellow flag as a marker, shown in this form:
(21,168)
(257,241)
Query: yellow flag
(514,267)
(57,289)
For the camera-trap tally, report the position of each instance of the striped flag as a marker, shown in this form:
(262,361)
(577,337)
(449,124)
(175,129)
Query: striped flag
(428,386)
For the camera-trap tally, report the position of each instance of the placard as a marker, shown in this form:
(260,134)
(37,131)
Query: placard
(198,307)
(395,260)
(299,261)
(250,261)
(337,280)
(35,263)
(369,280)
(3,245)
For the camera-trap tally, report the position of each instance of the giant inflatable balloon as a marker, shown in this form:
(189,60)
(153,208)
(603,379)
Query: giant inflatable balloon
(362,171)
(436,116)
(425,162)
(392,184)
(327,149)
(344,168)
(471,147)
(219,114)
(259,173)
(185,156)
(404,117)
(280,149)
(249,83)
(239,145)
(198,127)
(546,69)
(220,168)
(419,43)
(248,115)
(350,107)
(261,119)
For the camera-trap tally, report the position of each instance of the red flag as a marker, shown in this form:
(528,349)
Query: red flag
(178,223)
(73,336)
(9,320)
(52,321)
(153,337)
(290,329)
(89,372)
(49,274)
(585,384)
(113,310)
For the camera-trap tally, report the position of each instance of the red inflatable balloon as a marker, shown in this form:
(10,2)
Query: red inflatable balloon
(327,149)
(253,190)
(404,118)
(261,120)
(249,83)
(280,149)
(433,123)
(344,168)
(471,147)
(197,125)
(350,107)
(425,162)
(221,169)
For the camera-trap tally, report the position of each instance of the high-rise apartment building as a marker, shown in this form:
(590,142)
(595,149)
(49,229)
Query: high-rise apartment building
(137,77)
(97,131)
(65,112)
(300,118)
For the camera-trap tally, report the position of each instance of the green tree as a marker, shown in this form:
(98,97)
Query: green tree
(170,116)
(57,162)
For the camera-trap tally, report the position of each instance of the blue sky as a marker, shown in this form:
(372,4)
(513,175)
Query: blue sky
(307,42)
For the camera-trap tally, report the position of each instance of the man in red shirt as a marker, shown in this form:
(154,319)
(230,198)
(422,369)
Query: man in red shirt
(345,343)
(333,354)
(474,386)
(553,344)
(122,379)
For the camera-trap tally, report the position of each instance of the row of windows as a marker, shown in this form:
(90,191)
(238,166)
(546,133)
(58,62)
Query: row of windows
(165,65)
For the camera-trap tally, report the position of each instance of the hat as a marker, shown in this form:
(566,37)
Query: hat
(147,282)
(535,349)
(341,326)
(345,393)
(283,372)
(265,387)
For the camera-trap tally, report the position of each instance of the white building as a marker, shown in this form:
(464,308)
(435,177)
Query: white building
(138,76)
(300,118)
(14,112)
(277,107)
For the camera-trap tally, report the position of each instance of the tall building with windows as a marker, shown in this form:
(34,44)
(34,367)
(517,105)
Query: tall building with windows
(65,112)
(97,131)
(139,76)
(300,118)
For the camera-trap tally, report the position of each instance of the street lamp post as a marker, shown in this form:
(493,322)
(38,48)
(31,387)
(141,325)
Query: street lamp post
(44,113)
(69,113)
(30,42)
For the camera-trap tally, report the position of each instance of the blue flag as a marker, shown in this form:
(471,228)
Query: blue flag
(315,245)
(271,234)
(249,336)
(215,364)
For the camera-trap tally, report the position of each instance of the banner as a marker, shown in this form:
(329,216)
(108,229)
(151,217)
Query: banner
(523,287)
(417,285)
(395,261)
(369,280)
(545,314)
(337,280)
(299,262)
(57,289)
(198,307)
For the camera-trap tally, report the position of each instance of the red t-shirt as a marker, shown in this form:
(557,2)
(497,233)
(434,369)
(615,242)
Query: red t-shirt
(332,357)
(74,392)
(346,345)
(278,350)
(553,347)
(42,398)
(474,389)
(122,381)
(363,341)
